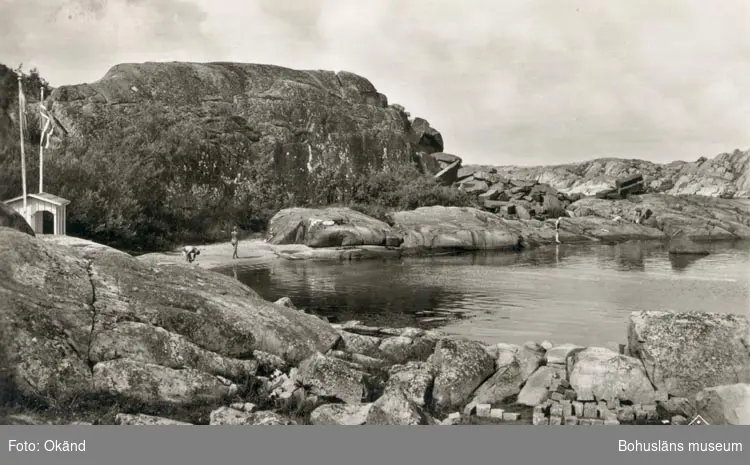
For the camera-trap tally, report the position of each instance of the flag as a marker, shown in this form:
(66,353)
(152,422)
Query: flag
(48,128)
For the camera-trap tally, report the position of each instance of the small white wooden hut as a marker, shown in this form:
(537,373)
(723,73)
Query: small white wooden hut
(40,205)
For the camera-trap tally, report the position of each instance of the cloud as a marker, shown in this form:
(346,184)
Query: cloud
(506,82)
(78,40)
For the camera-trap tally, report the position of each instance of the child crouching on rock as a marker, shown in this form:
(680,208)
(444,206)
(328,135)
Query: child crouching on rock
(190,252)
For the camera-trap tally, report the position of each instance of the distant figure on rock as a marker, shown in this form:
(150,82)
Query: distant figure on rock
(557,230)
(235,242)
(190,252)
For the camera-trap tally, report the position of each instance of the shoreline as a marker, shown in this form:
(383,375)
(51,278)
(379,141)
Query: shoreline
(192,339)
(218,256)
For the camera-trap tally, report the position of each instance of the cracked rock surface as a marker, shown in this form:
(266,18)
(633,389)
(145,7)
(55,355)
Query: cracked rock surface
(78,318)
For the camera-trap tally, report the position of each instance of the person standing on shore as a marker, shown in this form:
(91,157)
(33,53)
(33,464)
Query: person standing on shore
(557,230)
(235,242)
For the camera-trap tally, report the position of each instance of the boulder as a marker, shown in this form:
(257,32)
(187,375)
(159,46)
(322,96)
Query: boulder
(504,383)
(230,416)
(530,357)
(453,228)
(491,194)
(394,408)
(150,383)
(474,187)
(460,366)
(523,213)
(536,389)
(153,345)
(10,218)
(603,375)
(465,172)
(676,406)
(449,174)
(360,344)
(684,353)
(328,227)
(340,414)
(227,416)
(330,377)
(401,349)
(140,419)
(265,418)
(552,206)
(559,354)
(413,379)
(445,159)
(286,302)
(724,405)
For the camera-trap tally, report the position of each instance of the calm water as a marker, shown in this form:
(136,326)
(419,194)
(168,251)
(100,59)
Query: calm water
(579,294)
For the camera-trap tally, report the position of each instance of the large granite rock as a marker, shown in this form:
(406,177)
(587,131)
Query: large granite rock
(724,405)
(460,367)
(306,120)
(332,378)
(149,383)
(684,353)
(507,379)
(329,227)
(459,228)
(597,373)
(77,319)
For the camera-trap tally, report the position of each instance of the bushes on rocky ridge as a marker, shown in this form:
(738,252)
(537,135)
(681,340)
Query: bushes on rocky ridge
(152,175)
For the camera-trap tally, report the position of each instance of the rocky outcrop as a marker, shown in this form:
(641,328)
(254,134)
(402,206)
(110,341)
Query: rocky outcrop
(439,229)
(307,120)
(684,353)
(698,218)
(77,321)
(10,218)
(330,227)
(727,175)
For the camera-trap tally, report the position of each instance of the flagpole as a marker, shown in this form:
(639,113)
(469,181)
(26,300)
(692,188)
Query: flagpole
(23,153)
(41,146)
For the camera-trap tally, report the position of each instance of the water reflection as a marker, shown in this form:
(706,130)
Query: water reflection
(576,293)
(681,263)
(371,291)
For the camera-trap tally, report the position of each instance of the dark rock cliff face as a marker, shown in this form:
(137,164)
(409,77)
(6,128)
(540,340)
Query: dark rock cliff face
(307,121)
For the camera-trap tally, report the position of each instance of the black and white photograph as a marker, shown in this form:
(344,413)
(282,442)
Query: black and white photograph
(375,212)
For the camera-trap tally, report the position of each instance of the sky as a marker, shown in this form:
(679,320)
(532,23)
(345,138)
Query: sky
(521,82)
